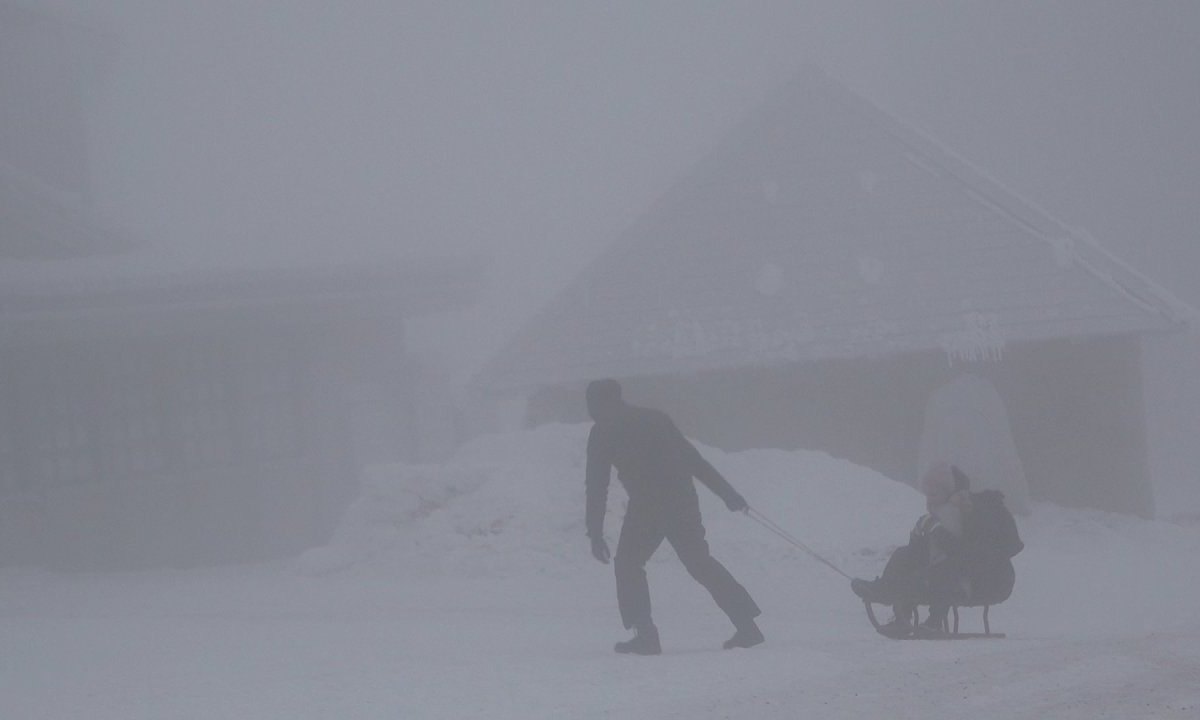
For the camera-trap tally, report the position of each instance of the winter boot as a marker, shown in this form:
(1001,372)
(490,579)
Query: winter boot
(898,629)
(747,635)
(934,626)
(873,591)
(644,642)
(866,589)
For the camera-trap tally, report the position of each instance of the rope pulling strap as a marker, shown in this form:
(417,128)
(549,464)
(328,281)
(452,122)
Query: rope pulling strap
(769,524)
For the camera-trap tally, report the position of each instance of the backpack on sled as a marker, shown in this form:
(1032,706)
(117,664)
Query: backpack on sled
(990,540)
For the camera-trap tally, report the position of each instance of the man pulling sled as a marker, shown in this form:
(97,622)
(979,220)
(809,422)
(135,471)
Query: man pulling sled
(958,554)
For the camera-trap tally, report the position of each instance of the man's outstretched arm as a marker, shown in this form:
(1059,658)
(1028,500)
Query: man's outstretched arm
(703,471)
(596,479)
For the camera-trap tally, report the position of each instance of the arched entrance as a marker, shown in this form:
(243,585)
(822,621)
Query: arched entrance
(966,424)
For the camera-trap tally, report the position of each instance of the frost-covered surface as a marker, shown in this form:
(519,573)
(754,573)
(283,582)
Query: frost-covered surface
(466,590)
(981,340)
(823,228)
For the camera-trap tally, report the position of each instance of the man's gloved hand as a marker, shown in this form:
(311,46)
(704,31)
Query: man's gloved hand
(736,503)
(600,549)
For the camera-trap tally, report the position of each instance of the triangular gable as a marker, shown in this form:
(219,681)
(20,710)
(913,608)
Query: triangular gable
(824,228)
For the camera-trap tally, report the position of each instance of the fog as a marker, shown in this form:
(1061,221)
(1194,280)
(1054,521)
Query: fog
(529,135)
(264,265)
(533,134)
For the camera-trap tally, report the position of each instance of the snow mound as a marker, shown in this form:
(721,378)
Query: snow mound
(512,505)
(516,500)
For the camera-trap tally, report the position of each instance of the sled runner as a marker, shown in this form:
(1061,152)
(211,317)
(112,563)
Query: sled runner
(921,632)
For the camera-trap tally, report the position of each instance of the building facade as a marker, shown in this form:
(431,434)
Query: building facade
(820,277)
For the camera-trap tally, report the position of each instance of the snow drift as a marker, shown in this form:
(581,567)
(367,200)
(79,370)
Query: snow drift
(512,504)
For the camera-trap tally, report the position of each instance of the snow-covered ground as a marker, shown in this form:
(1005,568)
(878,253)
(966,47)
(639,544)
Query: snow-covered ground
(466,590)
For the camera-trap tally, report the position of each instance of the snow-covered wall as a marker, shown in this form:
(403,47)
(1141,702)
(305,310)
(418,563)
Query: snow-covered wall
(1172,382)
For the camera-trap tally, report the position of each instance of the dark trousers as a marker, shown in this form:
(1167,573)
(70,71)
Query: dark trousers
(644,529)
(909,581)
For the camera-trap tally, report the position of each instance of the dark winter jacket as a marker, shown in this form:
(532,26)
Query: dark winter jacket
(654,461)
(991,542)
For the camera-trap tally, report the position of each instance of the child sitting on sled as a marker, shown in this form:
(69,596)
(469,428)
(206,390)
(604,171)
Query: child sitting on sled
(931,569)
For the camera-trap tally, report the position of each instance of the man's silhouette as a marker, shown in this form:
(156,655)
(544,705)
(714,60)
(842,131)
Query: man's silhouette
(655,463)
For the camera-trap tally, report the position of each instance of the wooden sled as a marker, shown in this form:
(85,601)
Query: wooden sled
(920,633)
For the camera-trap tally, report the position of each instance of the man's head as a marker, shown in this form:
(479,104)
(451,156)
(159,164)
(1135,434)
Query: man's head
(603,399)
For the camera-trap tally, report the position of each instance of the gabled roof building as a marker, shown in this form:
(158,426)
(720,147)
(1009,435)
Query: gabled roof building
(817,277)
